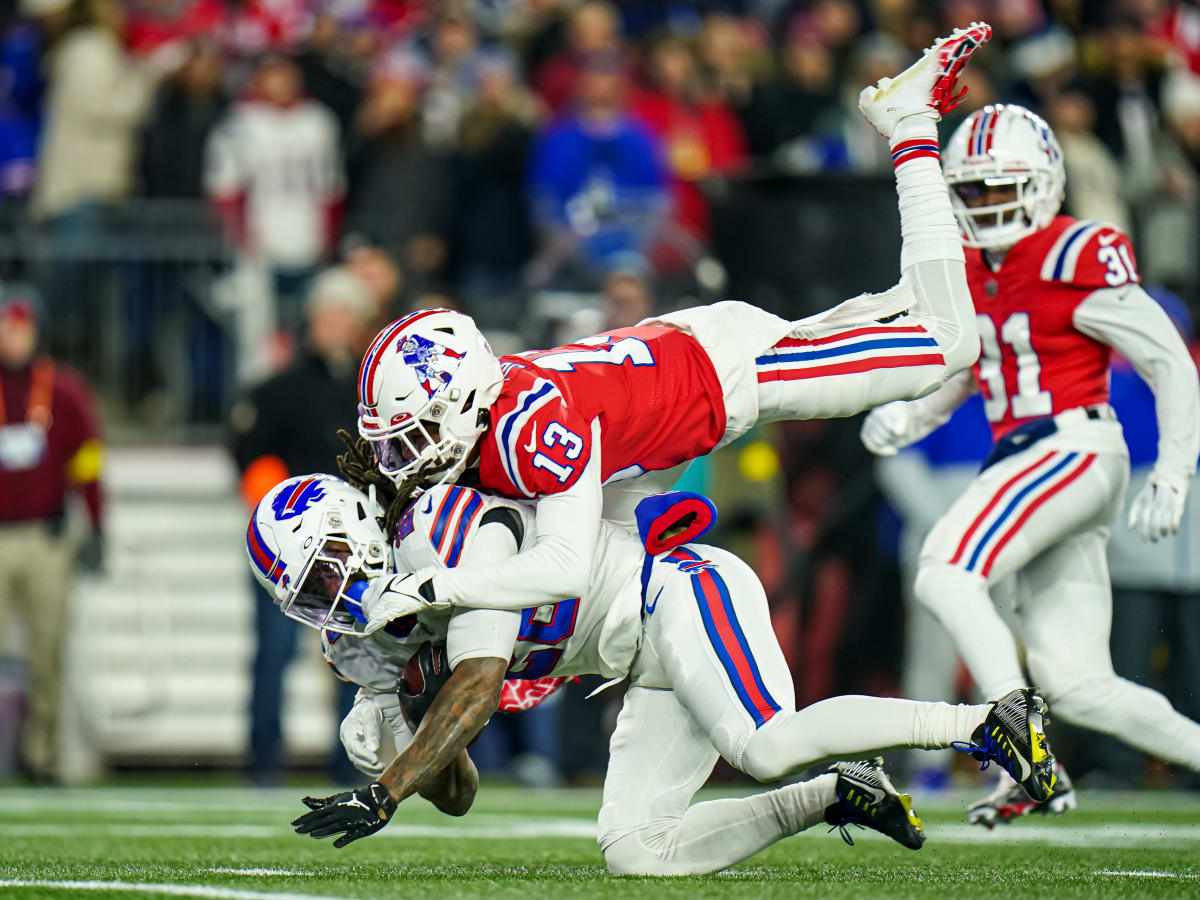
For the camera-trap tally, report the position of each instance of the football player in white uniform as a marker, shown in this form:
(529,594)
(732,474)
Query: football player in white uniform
(1055,298)
(690,628)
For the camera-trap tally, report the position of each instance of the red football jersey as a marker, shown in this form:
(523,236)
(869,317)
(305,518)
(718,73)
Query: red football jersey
(1034,362)
(652,387)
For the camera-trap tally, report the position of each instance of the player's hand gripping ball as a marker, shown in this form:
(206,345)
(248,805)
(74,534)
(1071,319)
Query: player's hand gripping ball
(423,677)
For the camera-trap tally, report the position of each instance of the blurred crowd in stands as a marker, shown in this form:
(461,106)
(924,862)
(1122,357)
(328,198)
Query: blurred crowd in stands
(492,147)
(508,157)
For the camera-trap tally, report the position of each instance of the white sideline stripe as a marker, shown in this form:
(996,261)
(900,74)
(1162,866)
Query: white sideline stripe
(1144,873)
(1134,835)
(172,890)
(224,871)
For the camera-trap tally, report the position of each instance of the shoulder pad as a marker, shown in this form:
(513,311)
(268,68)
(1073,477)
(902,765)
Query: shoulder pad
(1091,255)
(435,528)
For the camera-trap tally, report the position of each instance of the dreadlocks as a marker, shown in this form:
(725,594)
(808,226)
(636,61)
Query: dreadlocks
(357,466)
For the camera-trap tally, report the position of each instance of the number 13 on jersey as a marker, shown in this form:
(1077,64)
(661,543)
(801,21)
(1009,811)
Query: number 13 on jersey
(556,435)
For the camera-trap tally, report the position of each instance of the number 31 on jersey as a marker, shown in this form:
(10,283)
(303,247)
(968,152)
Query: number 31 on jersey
(1029,399)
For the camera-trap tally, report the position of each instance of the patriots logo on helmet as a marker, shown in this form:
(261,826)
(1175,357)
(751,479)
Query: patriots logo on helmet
(291,503)
(423,355)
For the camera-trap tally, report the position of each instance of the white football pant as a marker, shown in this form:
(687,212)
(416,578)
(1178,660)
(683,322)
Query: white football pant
(1044,516)
(710,680)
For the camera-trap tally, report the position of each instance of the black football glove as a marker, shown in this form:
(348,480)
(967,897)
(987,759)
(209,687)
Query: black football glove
(353,814)
(423,678)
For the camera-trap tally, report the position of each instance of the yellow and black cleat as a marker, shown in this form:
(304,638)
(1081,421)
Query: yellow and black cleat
(866,798)
(1013,736)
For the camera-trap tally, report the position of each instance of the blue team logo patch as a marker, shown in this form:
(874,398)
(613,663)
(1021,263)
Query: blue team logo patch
(291,503)
(424,356)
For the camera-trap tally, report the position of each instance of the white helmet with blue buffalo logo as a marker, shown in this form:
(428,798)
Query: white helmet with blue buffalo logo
(1004,146)
(313,541)
(424,388)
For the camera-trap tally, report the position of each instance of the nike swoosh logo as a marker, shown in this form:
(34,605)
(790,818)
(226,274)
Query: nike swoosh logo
(650,607)
(875,793)
(429,506)
(1106,239)
(532,440)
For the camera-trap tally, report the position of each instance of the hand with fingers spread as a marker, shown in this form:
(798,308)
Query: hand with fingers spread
(1158,508)
(352,815)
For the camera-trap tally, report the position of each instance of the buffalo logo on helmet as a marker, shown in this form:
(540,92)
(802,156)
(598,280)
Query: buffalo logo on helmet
(293,502)
(424,356)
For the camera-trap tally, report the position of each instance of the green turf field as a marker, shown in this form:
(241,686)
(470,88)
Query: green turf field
(235,843)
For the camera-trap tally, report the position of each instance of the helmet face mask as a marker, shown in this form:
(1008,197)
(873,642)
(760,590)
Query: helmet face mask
(418,446)
(314,543)
(327,594)
(994,225)
(1001,147)
(424,387)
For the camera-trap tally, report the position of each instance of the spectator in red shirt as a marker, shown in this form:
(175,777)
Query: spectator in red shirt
(49,447)
(701,136)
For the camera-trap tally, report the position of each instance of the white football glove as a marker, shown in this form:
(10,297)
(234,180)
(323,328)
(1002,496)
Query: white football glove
(362,733)
(886,428)
(1158,508)
(389,597)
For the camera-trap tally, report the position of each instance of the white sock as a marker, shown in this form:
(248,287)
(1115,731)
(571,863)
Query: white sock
(720,833)
(854,727)
(927,225)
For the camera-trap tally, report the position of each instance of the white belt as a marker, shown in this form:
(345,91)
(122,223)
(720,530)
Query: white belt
(1099,412)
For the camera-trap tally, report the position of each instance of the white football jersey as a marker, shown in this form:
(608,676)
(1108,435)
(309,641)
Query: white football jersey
(595,634)
(285,162)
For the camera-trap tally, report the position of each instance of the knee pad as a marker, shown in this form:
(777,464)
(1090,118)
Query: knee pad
(767,757)
(627,856)
(939,586)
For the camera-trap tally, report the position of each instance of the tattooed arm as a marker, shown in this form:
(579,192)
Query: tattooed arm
(461,708)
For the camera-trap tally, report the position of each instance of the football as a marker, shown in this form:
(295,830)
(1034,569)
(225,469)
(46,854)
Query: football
(423,677)
(414,680)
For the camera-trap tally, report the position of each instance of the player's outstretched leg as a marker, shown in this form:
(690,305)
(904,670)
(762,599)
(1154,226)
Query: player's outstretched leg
(709,639)
(867,798)
(1066,621)
(872,349)
(660,756)
(843,362)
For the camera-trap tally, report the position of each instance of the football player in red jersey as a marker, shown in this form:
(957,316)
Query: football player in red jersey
(561,425)
(1055,296)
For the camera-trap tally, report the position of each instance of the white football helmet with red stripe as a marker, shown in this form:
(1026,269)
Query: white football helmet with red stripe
(999,146)
(313,542)
(424,388)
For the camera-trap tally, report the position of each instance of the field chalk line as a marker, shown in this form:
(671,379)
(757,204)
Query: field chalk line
(167,888)
(1143,873)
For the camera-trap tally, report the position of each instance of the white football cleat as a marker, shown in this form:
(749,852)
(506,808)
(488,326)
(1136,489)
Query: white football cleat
(927,86)
(1009,801)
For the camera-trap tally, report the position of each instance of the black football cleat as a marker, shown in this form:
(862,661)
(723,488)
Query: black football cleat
(1013,736)
(867,798)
